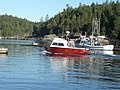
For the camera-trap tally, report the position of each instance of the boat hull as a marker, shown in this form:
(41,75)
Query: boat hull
(67,51)
(106,47)
(81,57)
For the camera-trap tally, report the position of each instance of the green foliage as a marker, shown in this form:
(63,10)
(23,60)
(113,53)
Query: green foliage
(71,19)
(14,26)
(80,19)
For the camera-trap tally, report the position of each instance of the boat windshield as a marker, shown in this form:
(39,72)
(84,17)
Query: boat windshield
(85,42)
(58,44)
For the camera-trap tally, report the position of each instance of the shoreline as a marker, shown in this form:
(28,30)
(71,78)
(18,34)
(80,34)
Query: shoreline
(42,42)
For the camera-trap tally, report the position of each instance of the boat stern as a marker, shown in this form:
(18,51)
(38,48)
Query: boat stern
(108,47)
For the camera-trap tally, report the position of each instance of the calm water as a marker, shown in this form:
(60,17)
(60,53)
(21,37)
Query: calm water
(29,68)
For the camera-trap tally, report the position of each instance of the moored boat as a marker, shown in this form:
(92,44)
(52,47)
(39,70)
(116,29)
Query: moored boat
(94,45)
(95,41)
(35,44)
(62,46)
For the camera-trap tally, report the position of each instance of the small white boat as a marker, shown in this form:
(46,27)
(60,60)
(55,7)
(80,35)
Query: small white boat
(0,37)
(35,44)
(3,50)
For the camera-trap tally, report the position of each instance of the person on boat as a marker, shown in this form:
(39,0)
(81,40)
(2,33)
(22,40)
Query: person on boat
(80,35)
(71,43)
(68,36)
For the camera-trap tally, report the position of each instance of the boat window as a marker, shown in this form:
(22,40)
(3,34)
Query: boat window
(83,42)
(54,43)
(88,42)
(60,44)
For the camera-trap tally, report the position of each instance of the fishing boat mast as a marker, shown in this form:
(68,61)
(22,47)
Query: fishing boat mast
(96,27)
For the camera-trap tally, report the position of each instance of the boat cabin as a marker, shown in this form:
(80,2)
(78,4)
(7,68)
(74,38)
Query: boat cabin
(59,42)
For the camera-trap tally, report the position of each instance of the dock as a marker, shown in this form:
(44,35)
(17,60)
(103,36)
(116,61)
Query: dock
(3,50)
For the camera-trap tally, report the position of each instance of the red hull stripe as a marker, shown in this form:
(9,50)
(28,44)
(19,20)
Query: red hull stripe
(66,50)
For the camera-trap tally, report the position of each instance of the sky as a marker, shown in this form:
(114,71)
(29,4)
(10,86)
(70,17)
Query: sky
(33,10)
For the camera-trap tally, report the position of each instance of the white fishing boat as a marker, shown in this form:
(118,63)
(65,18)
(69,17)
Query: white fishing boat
(94,45)
(95,42)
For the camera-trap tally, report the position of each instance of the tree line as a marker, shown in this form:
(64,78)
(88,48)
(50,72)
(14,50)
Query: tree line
(80,19)
(14,26)
(71,19)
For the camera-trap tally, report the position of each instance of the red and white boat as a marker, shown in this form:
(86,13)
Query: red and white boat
(61,46)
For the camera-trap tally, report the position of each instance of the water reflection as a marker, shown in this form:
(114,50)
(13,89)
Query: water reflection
(29,68)
(88,68)
(3,56)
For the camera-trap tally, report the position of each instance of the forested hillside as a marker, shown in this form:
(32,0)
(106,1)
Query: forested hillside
(80,19)
(14,26)
(73,19)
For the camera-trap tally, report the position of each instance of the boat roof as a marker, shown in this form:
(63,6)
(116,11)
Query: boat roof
(101,37)
(58,40)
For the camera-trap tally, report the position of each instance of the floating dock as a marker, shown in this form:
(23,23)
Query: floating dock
(3,50)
